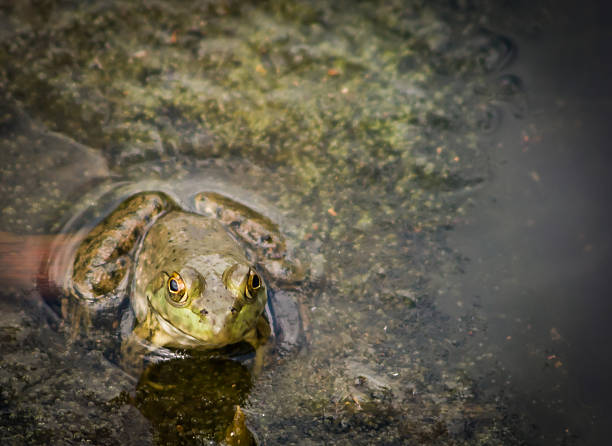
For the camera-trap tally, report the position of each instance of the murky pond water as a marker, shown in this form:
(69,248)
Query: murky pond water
(407,149)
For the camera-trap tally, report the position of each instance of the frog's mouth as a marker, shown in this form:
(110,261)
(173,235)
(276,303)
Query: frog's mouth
(180,338)
(169,328)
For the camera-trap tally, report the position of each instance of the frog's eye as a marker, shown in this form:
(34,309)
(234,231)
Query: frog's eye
(176,288)
(253,284)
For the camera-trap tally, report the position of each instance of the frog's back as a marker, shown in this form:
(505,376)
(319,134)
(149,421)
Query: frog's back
(181,238)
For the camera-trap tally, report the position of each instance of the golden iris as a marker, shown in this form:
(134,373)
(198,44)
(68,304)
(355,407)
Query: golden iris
(176,287)
(253,284)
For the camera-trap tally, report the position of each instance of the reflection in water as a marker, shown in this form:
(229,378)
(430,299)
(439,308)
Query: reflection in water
(195,399)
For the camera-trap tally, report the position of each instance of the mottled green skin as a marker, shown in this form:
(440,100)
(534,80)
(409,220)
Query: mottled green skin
(149,234)
(104,258)
(215,270)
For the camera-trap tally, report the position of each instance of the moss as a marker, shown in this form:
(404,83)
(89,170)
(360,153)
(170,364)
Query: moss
(366,119)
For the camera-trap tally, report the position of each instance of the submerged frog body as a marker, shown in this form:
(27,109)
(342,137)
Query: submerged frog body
(195,280)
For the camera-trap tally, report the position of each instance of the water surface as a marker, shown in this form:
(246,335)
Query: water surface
(420,153)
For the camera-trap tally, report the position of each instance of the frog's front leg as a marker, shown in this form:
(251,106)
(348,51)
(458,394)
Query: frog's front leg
(134,350)
(258,338)
(104,258)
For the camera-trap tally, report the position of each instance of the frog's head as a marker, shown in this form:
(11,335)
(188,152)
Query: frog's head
(212,301)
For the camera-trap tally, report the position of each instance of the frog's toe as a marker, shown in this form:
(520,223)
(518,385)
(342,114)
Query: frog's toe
(145,380)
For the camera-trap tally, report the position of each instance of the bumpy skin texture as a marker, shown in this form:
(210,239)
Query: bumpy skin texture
(217,310)
(193,286)
(103,260)
(259,234)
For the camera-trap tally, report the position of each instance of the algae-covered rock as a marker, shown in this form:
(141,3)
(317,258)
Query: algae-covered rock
(364,123)
(55,393)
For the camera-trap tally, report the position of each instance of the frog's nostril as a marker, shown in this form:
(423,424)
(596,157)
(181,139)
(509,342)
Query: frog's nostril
(203,312)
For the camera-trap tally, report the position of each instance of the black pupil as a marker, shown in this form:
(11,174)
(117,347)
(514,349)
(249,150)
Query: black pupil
(255,281)
(173,285)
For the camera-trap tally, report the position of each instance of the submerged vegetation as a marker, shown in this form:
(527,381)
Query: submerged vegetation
(363,122)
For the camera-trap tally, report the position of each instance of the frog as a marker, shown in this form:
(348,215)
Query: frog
(196,280)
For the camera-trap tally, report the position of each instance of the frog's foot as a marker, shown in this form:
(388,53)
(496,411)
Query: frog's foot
(237,433)
(79,316)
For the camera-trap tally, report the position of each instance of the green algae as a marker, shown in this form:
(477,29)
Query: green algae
(367,119)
